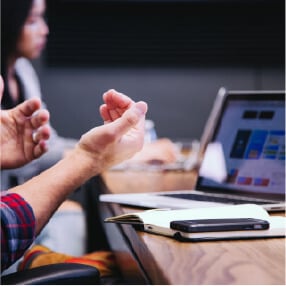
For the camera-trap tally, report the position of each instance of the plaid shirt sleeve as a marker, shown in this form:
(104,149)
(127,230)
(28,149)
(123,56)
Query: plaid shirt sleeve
(17,228)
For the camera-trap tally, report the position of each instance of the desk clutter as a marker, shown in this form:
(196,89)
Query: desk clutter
(157,221)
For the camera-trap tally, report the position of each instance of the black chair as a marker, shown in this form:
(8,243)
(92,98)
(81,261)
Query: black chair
(54,274)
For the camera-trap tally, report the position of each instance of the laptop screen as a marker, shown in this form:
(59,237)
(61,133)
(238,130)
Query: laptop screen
(251,131)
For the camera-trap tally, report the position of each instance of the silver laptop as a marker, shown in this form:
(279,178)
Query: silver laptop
(249,129)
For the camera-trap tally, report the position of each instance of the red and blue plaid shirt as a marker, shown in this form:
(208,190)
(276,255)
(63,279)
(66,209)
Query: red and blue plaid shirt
(17,228)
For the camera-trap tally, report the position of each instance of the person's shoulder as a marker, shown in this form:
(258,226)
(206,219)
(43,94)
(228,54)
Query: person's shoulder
(23,65)
(29,78)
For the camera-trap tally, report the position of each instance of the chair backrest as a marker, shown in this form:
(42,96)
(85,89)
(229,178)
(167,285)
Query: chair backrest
(54,274)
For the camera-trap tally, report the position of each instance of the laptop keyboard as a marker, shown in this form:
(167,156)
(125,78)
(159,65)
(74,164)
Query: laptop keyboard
(229,200)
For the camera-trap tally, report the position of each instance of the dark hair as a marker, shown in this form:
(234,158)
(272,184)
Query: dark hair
(13,16)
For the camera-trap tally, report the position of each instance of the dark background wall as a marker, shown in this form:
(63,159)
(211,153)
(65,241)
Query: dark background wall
(173,54)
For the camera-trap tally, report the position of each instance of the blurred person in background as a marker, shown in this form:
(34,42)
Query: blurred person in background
(23,37)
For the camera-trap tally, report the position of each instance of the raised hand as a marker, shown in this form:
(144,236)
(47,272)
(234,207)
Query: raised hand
(115,104)
(24,133)
(122,135)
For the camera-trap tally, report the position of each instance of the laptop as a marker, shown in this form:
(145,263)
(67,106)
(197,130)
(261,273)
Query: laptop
(243,141)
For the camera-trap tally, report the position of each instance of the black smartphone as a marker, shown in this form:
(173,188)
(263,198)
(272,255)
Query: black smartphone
(229,224)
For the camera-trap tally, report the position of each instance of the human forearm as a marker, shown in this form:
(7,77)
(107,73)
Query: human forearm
(48,190)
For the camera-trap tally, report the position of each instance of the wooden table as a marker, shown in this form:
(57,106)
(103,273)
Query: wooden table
(151,259)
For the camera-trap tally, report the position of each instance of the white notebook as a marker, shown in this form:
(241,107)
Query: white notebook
(157,221)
